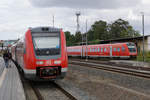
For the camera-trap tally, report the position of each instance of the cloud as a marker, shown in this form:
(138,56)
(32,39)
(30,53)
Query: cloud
(86,4)
(16,16)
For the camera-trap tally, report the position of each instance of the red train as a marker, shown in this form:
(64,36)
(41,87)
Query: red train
(41,54)
(121,50)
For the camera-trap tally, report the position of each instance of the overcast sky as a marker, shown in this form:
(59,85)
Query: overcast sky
(16,16)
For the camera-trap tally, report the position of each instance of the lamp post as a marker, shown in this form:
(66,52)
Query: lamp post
(142,13)
(53,20)
(86,43)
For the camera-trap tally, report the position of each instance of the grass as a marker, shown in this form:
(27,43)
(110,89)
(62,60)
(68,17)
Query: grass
(146,57)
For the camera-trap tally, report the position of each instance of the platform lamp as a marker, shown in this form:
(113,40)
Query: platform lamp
(142,13)
(86,42)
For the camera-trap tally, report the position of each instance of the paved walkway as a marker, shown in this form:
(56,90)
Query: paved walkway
(10,84)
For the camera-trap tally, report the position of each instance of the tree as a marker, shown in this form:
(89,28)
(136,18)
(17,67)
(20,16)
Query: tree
(70,39)
(78,37)
(99,29)
(121,29)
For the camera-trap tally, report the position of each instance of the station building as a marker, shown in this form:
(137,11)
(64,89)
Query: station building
(137,40)
(5,43)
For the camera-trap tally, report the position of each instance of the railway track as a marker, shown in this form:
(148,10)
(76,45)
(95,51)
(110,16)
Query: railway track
(56,91)
(33,92)
(114,64)
(140,71)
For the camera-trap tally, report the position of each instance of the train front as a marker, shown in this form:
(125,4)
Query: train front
(132,50)
(49,58)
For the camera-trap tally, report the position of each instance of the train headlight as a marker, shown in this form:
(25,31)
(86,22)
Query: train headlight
(39,62)
(57,62)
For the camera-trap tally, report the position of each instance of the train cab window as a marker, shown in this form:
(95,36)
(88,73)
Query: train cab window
(131,47)
(46,45)
(118,49)
(123,48)
(104,49)
(115,49)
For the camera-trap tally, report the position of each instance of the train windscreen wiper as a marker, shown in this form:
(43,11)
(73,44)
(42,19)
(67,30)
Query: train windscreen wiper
(36,47)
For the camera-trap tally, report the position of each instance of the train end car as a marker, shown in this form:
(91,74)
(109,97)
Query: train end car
(41,54)
(117,50)
(132,50)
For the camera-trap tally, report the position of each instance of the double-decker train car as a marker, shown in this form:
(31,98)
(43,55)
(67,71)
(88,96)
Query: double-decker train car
(119,50)
(41,54)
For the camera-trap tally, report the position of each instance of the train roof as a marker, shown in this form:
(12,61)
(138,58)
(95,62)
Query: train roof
(45,29)
(105,44)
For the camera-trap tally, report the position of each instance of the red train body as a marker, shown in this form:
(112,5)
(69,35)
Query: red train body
(41,54)
(121,50)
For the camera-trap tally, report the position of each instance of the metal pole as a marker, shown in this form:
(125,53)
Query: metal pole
(53,21)
(143,34)
(86,43)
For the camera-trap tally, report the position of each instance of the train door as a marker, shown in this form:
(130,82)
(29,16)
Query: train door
(84,51)
(81,51)
(110,51)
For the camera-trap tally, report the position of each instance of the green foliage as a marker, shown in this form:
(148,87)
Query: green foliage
(121,29)
(146,57)
(101,30)
(78,37)
(94,42)
(70,39)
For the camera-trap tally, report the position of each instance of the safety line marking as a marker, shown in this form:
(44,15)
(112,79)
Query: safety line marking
(2,77)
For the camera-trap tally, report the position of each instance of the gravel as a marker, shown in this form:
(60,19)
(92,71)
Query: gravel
(105,85)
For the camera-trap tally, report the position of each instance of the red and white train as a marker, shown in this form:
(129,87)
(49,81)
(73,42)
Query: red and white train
(119,50)
(41,54)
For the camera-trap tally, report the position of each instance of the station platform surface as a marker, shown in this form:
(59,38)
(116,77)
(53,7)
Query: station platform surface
(11,87)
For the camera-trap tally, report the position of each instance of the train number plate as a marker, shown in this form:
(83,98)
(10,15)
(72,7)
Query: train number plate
(48,72)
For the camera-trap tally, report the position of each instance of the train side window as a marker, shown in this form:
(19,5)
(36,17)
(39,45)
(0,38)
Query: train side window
(123,48)
(118,49)
(95,49)
(104,49)
(115,49)
(90,50)
(98,49)
(101,49)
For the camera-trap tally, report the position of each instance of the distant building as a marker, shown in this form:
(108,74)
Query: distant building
(6,43)
(137,40)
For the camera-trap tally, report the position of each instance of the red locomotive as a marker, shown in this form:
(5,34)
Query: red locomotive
(121,50)
(41,54)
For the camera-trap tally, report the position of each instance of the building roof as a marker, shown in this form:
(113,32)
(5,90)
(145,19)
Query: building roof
(116,40)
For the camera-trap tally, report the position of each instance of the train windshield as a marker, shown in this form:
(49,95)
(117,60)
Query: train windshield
(46,45)
(131,47)
(46,42)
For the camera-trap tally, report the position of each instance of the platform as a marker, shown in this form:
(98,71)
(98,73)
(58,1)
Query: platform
(10,84)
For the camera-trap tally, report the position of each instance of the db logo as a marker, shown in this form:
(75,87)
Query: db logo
(48,62)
